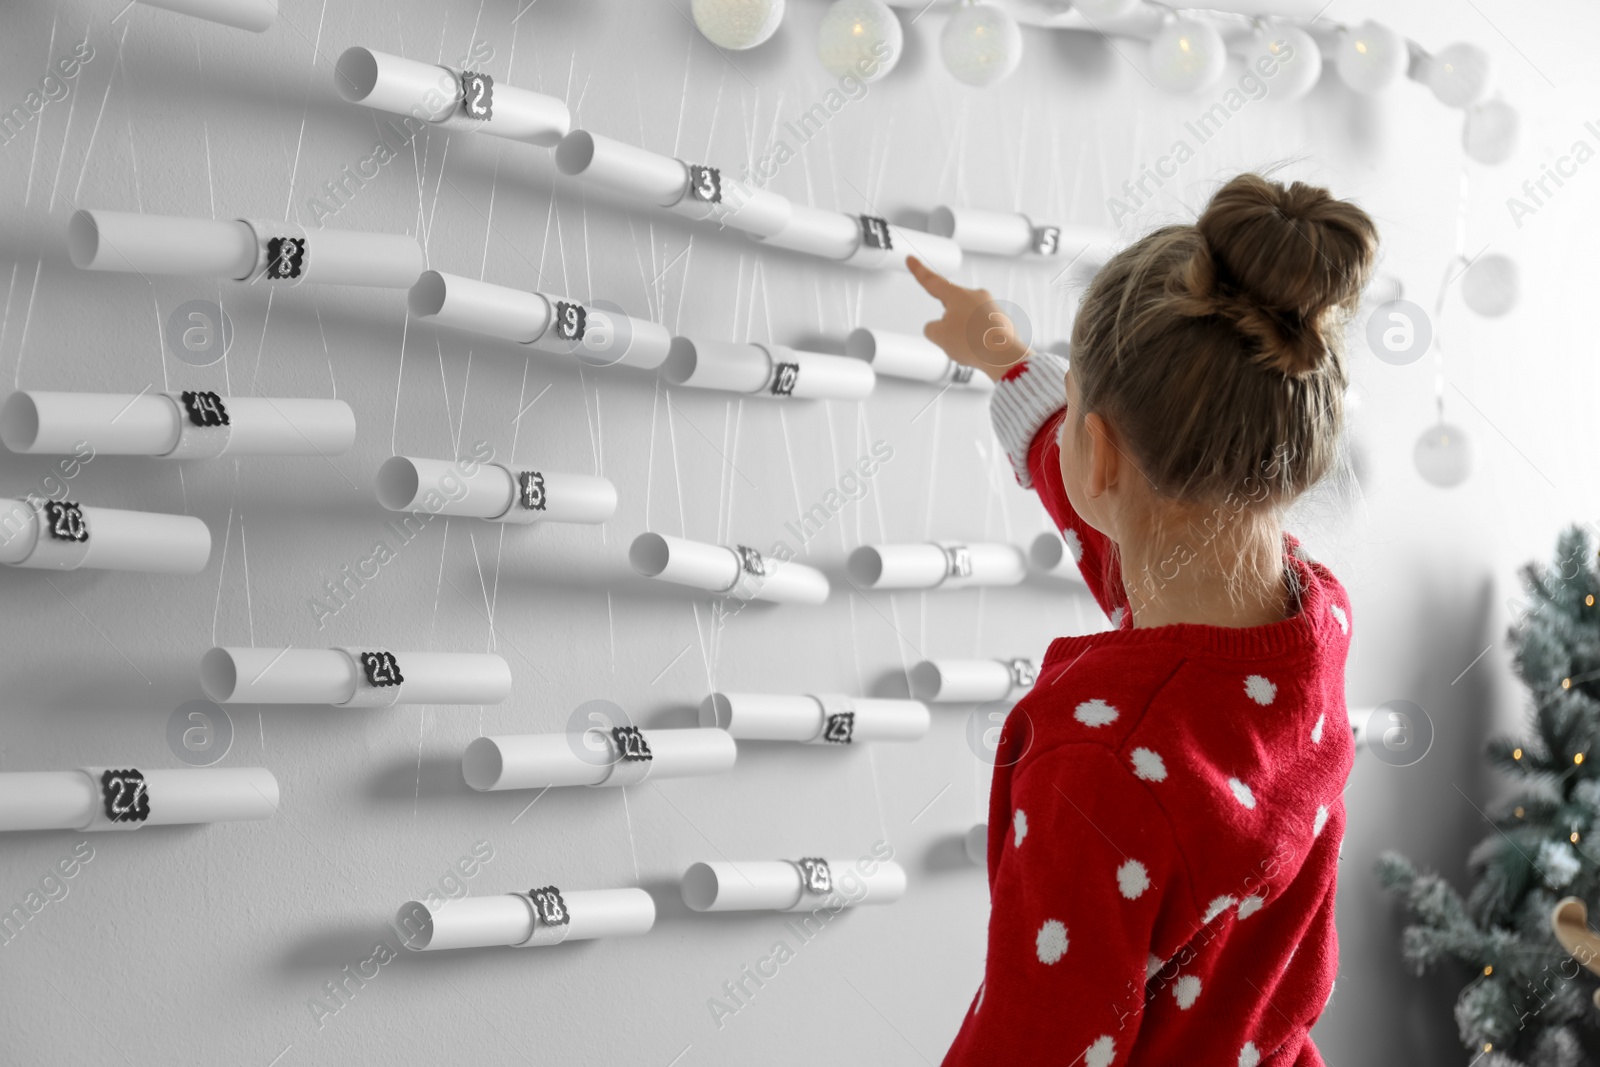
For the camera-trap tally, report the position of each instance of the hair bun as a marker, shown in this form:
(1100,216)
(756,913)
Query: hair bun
(1275,261)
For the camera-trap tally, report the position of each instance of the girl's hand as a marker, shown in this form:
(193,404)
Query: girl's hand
(974,331)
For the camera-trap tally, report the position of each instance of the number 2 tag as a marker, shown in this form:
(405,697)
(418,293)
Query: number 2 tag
(477,95)
(124,795)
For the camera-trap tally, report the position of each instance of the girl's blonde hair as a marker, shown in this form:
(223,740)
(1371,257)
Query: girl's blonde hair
(1216,350)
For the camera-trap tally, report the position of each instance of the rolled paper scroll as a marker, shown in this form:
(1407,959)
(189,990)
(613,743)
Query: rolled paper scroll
(1051,554)
(126,798)
(63,535)
(543,916)
(186,425)
(629,755)
(948,565)
(494,492)
(768,370)
(740,571)
(790,885)
(957,681)
(622,168)
(275,253)
(815,719)
(445,96)
(885,246)
(901,355)
(829,234)
(596,335)
(1007,233)
(975,842)
(253,15)
(352,677)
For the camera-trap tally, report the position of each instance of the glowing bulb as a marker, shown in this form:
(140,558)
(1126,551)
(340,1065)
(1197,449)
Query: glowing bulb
(1566,683)
(1574,837)
(1370,57)
(1187,56)
(1516,753)
(1518,812)
(1461,76)
(737,24)
(1578,758)
(980,44)
(1488,970)
(1292,56)
(855,35)
(1589,600)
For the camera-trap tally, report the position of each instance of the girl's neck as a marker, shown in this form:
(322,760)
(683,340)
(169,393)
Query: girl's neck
(1232,576)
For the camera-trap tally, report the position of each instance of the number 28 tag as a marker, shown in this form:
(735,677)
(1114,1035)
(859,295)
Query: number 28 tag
(477,95)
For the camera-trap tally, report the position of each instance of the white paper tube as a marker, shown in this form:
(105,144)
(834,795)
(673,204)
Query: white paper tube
(829,234)
(468,304)
(353,257)
(61,800)
(997,233)
(116,540)
(729,365)
(764,885)
(901,355)
(1090,244)
(784,582)
(763,716)
(494,492)
(878,719)
(623,168)
(940,254)
(958,681)
(976,844)
(253,15)
(1049,555)
(929,566)
(606,336)
(742,573)
(336,676)
(509,920)
(152,424)
(816,375)
(434,93)
(534,761)
(161,244)
(758,212)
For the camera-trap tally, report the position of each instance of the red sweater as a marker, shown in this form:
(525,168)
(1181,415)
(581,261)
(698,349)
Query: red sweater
(1165,819)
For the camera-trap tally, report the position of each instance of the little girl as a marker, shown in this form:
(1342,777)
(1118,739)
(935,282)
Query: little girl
(1165,819)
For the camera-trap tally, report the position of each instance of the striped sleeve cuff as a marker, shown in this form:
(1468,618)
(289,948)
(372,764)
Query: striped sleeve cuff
(1023,401)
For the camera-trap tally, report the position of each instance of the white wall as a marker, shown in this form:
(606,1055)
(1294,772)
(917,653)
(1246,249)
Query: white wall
(205,945)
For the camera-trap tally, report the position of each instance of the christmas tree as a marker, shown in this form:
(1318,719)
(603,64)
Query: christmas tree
(1527,1003)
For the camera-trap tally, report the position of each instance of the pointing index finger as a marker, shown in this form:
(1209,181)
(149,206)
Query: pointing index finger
(937,285)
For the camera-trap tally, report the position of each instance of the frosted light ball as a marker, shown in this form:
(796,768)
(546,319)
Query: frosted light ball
(1186,56)
(737,24)
(1382,289)
(1490,132)
(1461,75)
(1370,57)
(1294,54)
(1100,10)
(981,44)
(1490,286)
(1443,456)
(861,32)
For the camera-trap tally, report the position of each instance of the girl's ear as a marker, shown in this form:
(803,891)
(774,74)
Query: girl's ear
(1104,459)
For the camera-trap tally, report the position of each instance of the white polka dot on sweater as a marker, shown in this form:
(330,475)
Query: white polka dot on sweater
(1259,689)
(1095,713)
(1101,1053)
(1074,545)
(1241,793)
(1019,826)
(1340,617)
(1132,879)
(1316,731)
(1250,905)
(1051,942)
(1320,821)
(1116,618)
(1152,966)
(1249,1056)
(1186,989)
(1148,765)
(1217,907)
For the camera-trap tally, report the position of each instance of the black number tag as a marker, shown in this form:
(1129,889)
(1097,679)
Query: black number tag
(961,374)
(531,490)
(64,519)
(815,875)
(705,184)
(1023,673)
(750,560)
(1046,240)
(958,562)
(124,795)
(551,908)
(571,320)
(841,724)
(205,409)
(785,379)
(631,743)
(285,257)
(382,669)
(875,232)
(477,95)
